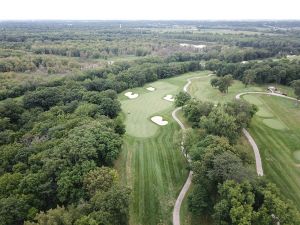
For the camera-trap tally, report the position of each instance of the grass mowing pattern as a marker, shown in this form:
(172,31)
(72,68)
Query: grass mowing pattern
(152,165)
(278,147)
(159,171)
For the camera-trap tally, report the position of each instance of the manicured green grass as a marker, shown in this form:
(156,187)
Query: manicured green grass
(151,163)
(201,89)
(139,110)
(279,144)
(275,128)
(155,170)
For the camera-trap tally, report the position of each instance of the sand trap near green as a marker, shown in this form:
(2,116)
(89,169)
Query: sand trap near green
(139,112)
(169,98)
(131,95)
(159,120)
(150,88)
(274,124)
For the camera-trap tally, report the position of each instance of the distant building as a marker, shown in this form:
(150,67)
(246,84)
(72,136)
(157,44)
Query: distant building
(272,89)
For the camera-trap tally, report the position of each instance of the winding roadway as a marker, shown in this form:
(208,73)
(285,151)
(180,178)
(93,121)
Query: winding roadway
(258,162)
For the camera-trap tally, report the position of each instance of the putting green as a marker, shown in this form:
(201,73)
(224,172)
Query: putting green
(263,112)
(253,99)
(275,124)
(296,155)
(139,111)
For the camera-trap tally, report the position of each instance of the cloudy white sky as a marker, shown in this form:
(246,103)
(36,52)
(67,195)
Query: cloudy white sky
(149,9)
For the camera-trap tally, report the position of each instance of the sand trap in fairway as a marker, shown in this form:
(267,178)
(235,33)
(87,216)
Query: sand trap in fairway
(275,124)
(150,88)
(131,95)
(159,120)
(169,98)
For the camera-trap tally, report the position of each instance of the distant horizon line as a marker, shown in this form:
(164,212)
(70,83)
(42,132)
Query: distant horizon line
(192,20)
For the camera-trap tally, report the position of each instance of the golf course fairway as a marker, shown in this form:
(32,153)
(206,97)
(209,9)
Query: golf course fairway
(151,163)
(277,134)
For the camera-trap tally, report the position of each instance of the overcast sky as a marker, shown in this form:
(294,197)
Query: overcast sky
(149,9)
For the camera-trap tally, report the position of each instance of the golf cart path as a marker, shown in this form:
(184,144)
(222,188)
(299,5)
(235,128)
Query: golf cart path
(259,169)
(258,162)
(186,186)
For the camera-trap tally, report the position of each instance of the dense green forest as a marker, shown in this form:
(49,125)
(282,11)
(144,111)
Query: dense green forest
(61,128)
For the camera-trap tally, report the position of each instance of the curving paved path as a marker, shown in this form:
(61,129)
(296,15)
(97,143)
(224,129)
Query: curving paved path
(186,186)
(238,96)
(258,162)
(259,169)
(189,81)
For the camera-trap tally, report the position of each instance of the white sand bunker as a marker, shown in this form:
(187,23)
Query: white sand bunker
(131,95)
(169,98)
(150,88)
(159,120)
